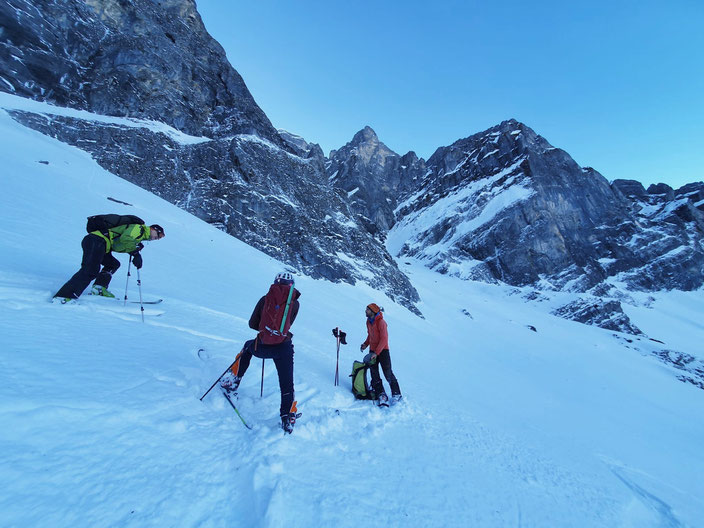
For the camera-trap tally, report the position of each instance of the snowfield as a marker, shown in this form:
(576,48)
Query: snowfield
(559,425)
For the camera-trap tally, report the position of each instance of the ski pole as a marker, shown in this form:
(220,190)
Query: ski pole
(129,265)
(337,364)
(341,338)
(216,381)
(261,392)
(139,283)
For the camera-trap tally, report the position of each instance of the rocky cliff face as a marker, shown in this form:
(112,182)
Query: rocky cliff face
(155,61)
(140,58)
(371,177)
(505,205)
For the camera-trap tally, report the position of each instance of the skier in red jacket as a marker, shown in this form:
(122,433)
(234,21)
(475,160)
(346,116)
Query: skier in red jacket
(378,343)
(272,317)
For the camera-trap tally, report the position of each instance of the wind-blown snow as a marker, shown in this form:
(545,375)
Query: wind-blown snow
(566,426)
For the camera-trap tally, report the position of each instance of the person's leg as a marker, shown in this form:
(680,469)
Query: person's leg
(284,368)
(385,362)
(110,266)
(231,380)
(93,252)
(243,359)
(377,385)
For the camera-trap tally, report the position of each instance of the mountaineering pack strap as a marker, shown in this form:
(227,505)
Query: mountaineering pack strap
(288,305)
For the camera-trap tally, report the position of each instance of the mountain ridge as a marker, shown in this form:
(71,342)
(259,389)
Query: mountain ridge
(499,205)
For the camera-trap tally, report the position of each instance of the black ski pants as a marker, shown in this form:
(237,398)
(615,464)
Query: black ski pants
(384,359)
(282,355)
(93,257)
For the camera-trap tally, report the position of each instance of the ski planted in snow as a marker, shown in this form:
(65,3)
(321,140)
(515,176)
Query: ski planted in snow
(227,397)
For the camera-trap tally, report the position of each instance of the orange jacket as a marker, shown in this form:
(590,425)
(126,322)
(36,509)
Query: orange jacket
(377,334)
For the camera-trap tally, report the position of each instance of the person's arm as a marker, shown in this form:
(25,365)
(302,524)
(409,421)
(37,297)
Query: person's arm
(295,305)
(256,317)
(366,341)
(383,337)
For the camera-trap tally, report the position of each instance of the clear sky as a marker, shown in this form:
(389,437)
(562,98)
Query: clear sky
(618,84)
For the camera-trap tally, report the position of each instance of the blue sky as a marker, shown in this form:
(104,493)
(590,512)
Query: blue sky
(619,85)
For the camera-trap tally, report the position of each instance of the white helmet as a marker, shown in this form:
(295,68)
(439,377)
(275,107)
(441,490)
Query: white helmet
(283,278)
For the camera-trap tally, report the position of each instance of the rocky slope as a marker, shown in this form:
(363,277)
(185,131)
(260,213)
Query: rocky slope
(155,61)
(372,177)
(505,205)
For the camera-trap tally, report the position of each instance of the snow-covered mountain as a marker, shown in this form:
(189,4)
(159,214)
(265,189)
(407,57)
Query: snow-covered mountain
(155,62)
(511,416)
(505,205)
(501,205)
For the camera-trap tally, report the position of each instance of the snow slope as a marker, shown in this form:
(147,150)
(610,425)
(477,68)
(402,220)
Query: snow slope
(501,425)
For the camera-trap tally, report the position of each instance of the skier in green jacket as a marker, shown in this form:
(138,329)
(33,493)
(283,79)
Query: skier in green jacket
(97,250)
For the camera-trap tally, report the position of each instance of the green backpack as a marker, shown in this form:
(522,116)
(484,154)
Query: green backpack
(360,387)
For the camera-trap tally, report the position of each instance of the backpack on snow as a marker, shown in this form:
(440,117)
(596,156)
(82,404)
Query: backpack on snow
(360,386)
(105,222)
(276,314)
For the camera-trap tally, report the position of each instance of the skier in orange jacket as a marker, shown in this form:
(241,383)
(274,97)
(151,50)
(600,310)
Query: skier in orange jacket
(378,343)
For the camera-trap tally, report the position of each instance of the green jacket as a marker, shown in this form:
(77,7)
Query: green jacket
(124,238)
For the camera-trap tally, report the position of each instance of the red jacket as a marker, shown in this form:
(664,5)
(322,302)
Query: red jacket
(377,335)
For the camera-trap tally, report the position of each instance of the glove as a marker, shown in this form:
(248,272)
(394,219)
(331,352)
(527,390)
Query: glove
(362,346)
(136,259)
(370,358)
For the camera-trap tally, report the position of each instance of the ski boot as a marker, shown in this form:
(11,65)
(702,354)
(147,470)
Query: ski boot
(101,291)
(383,400)
(395,398)
(288,420)
(230,383)
(63,300)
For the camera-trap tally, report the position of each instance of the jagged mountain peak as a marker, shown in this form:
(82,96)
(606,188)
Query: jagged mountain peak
(366,135)
(366,148)
(505,135)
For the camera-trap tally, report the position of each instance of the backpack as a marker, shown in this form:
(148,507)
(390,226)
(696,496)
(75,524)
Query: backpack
(105,222)
(360,386)
(275,320)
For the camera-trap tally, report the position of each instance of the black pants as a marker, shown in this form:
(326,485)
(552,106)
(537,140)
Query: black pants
(93,257)
(282,355)
(383,359)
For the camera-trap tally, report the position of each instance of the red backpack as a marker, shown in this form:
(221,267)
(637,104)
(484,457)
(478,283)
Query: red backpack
(276,314)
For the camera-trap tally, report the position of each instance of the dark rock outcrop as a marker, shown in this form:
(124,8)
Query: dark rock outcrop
(371,177)
(141,58)
(598,312)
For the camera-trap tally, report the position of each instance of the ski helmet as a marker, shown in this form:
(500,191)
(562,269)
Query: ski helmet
(283,278)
